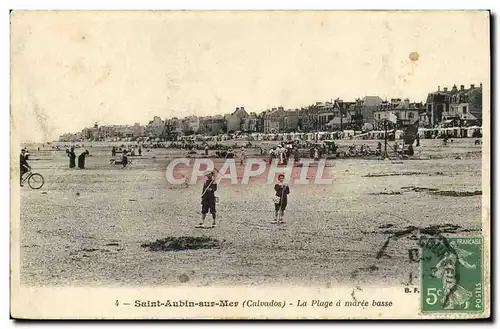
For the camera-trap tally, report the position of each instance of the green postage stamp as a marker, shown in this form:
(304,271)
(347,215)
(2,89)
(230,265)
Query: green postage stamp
(452,275)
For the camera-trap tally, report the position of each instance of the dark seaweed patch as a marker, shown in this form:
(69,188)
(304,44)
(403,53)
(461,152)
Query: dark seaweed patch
(182,243)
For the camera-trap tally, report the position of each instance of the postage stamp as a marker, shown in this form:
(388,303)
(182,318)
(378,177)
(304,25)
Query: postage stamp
(250,164)
(452,275)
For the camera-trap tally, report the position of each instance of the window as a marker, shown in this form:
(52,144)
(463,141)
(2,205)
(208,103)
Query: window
(410,115)
(464,109)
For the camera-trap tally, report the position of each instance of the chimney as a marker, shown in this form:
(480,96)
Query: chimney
(237,108)
(407,103)
(439,88)
(471,86)
(445,89)
(462,87)
(481,85)
(242,108)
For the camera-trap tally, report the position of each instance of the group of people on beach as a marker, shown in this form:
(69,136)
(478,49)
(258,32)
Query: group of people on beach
(204,146)
(281,153)
(81,158)
(124,161)
(125,151)
(209,200)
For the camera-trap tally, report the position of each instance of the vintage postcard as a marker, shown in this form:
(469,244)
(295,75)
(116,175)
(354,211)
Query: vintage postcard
(250,164)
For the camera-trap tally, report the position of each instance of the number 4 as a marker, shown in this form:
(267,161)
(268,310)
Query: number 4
(432,295)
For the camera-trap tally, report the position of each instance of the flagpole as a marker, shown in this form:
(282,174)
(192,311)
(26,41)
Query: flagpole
(385,137)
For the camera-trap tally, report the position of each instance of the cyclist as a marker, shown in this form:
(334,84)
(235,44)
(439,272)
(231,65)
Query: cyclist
(24,166)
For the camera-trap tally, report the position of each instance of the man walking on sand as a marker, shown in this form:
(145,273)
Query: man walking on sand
(208,199)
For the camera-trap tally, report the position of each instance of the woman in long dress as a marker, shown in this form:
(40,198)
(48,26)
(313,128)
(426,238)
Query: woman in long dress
(72,157)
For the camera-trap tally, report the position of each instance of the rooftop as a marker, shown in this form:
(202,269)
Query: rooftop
(457,89)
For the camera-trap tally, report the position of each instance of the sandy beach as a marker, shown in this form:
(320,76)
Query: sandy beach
(86,227)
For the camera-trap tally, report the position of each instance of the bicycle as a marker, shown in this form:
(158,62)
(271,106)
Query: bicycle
(35,180)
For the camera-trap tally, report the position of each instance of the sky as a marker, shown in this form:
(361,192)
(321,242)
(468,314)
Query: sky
(71,69)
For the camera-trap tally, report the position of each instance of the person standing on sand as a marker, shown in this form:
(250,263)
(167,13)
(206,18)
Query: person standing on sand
(281,155)
(243,156)
(316,154)
(410,150)
(72,157)
(272,154)
(124,158)
(296,155)
(81,159)
(208,199)
(280,199)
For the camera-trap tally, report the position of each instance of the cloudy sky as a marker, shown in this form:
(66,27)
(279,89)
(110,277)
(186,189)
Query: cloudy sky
(70,69)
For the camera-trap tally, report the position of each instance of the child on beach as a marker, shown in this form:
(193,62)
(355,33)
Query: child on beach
(208,199)
(281,199)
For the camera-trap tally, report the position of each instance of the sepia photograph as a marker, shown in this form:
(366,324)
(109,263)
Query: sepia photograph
(250,164)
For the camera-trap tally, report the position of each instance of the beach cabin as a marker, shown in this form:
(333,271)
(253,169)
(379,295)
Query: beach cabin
(474,131)
(347,134)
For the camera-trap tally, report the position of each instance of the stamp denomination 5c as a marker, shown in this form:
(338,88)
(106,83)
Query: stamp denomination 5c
(451,275)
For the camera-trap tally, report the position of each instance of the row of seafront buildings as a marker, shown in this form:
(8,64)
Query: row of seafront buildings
(457,106)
